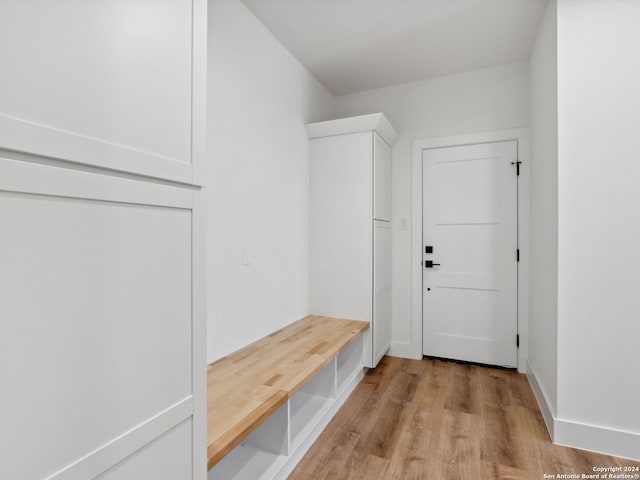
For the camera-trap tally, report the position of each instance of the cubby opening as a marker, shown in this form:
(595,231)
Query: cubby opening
(261,455)
(350,363)
(309,404)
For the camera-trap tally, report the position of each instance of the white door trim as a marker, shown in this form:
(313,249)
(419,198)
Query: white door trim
(521,135)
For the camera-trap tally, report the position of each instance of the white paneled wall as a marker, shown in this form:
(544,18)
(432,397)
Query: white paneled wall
(118,72)
(102,324)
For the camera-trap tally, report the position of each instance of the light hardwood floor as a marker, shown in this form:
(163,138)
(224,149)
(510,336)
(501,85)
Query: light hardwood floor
(427,419)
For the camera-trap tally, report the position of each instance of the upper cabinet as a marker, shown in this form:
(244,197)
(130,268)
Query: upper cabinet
(114,84)
(377,147)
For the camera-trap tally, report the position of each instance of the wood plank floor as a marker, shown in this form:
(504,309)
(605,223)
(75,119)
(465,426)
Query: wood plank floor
(427,419)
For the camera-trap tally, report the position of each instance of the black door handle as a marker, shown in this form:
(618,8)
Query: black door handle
(430,264)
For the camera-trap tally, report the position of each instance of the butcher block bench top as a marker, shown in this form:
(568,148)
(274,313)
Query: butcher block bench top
(247,386)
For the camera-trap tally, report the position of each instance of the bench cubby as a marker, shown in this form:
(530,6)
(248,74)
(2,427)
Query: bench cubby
(260,455)
(349,363)
(269,401)
(312,402)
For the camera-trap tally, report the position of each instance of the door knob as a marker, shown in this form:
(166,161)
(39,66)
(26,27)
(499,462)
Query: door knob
(430,264)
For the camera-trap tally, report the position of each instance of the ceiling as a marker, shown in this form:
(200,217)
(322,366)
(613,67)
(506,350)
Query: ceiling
(356,45)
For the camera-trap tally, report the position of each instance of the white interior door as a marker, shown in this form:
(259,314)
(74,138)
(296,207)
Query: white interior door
(470,222)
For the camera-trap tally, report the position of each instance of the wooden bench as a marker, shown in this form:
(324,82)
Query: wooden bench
(248,386)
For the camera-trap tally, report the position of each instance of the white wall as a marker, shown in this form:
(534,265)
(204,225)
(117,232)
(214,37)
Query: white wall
(481,100)
(543,301)
(260,97)
(599,217)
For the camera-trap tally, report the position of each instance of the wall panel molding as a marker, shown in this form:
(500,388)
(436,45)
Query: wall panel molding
(35,139)
(108,455)
(56,250)
(23,177)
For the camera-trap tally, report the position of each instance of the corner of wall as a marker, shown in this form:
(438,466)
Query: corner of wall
(546,407)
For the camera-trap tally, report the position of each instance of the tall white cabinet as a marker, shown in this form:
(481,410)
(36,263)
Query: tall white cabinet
(350,224)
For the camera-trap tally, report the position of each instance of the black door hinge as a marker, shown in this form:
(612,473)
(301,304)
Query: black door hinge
(517,164)
(518,341)
(518,255)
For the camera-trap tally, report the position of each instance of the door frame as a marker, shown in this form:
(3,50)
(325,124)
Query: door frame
(522,138)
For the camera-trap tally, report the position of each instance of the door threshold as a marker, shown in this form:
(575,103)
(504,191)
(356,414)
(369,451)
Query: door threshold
(465,362)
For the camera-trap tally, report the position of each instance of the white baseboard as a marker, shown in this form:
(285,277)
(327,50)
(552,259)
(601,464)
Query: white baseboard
(546,407)
(405,350)
(295,458)
(608,441)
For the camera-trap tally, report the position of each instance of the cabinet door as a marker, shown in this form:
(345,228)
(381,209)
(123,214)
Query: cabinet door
(97,318)
(381,179)
(381,289)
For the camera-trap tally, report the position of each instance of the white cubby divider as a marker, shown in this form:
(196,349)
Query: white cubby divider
(309,404)
(273,450)
(348,362)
